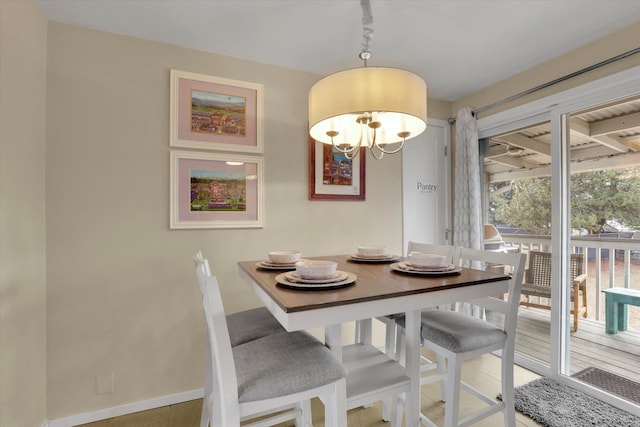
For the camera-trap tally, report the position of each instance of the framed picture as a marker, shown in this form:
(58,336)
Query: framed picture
(213,113)
(334,177)
(215,190)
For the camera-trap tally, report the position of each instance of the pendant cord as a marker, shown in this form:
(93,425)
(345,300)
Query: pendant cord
(367,29)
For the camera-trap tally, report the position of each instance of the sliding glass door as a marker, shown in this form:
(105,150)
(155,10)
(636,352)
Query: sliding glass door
(567,185)
(603,260)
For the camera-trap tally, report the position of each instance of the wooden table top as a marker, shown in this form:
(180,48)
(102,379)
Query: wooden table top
(374,282)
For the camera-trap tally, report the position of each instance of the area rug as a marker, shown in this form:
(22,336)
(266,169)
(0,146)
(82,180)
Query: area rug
(557,405)
(610,382)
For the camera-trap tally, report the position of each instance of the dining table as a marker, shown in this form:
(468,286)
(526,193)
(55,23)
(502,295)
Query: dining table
(380,289)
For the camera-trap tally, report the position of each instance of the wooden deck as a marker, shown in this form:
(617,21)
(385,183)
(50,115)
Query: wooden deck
(590,345)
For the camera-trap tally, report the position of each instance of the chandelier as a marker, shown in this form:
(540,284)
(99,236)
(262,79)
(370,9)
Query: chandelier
(375,107)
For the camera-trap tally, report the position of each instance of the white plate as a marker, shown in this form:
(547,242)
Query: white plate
(372,256)
(284,282)
(384,258)
(409,266)
(295,277)
(403,268)
(268,265)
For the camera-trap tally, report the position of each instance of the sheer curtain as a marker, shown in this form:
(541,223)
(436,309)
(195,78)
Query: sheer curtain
(468,227)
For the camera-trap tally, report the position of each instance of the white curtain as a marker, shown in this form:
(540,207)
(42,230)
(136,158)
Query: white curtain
(468,228)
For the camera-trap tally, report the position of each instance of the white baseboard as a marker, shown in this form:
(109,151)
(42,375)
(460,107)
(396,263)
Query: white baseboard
(128,408)
(45,424)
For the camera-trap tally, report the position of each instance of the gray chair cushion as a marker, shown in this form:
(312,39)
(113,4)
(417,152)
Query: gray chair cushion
(399,317)
(250,325)
(459,332)
(282,364)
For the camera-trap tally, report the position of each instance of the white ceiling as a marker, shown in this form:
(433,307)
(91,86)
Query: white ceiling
(458,47)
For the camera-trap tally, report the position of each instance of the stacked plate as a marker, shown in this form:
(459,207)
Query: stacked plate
(293,279)
(374,258)
(405,267)
(269,265)
(281,260)
(373,254)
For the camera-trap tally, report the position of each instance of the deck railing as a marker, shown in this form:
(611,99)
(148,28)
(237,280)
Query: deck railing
(599,250)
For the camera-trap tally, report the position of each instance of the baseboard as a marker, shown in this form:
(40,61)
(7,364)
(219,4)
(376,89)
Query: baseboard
(45,424)
(128,408)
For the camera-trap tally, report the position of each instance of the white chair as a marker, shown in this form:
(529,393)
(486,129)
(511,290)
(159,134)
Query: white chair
(265,376)
(457,337)
(450,251)
(393,336)
(248,325)
(394,333)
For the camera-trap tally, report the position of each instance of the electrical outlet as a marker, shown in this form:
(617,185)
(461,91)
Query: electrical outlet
(105,383)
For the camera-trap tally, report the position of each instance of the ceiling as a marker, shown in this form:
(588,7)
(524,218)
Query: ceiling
(602,137)
(457,47)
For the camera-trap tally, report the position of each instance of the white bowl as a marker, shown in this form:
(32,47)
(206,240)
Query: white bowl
(310,269)
(372,250)
(421,259)
(284,257)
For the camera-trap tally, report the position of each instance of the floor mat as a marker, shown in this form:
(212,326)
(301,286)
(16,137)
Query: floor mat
(612,383)
(557,405)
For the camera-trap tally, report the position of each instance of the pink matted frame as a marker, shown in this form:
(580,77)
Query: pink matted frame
(229,119)
(215,190)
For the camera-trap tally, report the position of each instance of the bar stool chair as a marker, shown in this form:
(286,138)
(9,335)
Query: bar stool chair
(456,337)
(394,324)
(274,373)
(393,336)
(248,325)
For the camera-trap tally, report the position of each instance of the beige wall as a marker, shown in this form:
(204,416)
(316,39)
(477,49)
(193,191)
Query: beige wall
(121,291)
(438,109)
(23,367)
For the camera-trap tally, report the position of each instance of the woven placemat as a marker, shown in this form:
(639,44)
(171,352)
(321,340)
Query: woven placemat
(610,382)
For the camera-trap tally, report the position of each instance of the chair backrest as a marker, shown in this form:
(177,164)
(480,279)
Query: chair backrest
(221,373)
(577,265)
(539,268)
(509,307)
(450,251)
(197,259)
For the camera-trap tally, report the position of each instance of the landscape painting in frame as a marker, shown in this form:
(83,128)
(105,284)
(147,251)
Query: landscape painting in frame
(333,176)
(213,113)
(210,190)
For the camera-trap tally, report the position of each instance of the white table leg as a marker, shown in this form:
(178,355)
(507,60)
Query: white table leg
(333,339)
(412,337)
(363,331)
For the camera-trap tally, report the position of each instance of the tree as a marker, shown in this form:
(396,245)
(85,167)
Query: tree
(597,196)
(602,195)
(526,206)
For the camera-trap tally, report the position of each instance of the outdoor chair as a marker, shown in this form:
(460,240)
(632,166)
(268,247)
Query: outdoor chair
(275,375)
(537,283)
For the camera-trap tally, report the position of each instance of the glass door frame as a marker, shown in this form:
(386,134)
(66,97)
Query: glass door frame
(556,109)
